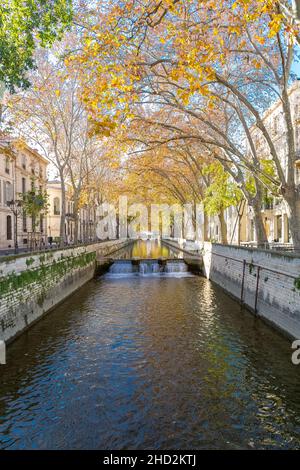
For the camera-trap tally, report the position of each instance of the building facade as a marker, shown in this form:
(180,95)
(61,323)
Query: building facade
(21,168)
(273,209)
(54,191)
(86,217)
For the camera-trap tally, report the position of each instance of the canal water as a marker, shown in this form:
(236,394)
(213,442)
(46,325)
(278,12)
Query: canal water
(148,258)
(150,362)
(148,249)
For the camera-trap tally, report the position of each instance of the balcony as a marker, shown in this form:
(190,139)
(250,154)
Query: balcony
(268,205)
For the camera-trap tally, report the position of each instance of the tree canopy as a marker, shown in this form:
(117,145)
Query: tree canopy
(182,87)
(23,25)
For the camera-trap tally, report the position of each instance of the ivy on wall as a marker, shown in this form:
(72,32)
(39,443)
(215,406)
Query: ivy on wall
(44,275)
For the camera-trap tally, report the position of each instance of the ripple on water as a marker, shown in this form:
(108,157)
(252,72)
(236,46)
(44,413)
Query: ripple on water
(149,363)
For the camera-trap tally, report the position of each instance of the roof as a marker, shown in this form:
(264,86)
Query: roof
(7,142)
(31,150)
(57,184)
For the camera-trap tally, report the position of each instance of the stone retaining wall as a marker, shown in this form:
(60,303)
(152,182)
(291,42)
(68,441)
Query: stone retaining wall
(265,281)
(31,285)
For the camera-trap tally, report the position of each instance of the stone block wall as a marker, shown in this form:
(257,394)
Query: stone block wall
(265,281)
(31,285)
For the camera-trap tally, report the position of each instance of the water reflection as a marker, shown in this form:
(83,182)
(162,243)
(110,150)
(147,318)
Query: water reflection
(149,363)
(148,249)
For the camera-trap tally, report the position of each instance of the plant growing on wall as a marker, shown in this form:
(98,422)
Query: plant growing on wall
(297,283)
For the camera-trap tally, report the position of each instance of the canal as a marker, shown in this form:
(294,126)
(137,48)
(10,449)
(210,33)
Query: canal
(149,360)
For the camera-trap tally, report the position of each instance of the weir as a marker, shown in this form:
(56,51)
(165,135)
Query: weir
(151,257)
(149,267)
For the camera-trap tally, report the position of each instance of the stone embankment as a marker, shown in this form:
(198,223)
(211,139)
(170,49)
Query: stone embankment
(266,282)
(32,284)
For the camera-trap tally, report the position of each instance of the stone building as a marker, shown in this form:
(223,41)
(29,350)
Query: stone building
(54,212)
(21,168)
(86,221)
(273,209)
(236,219)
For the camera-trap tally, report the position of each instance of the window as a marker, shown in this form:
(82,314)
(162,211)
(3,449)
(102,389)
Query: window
(24,162)
(8,228)
(23,185)
(0,192)
(8,192)
(24,221)
(267,226)
(7,165)
(41,223)
(287,224)
(56,206)
(252,230)
(34,223)
(279,227)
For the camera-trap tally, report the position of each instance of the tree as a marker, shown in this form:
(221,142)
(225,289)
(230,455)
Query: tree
(203,59)
(34,203)
(220,194)
(90,158)
(52,117)
(22,26)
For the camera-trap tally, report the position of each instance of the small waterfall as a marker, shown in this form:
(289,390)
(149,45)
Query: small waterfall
(149,268)
(123,267)
(176,266)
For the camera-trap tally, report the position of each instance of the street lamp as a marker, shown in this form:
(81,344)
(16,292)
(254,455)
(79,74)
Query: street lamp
(16,206)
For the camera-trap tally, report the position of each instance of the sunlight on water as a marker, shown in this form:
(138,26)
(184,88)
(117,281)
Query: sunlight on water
(150,362)
(149,249)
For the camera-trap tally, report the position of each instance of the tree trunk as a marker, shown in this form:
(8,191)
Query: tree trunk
(76,222)
(76,226)
(205,227)
(63,212)
(260,230)
(223,228)
(292,203)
